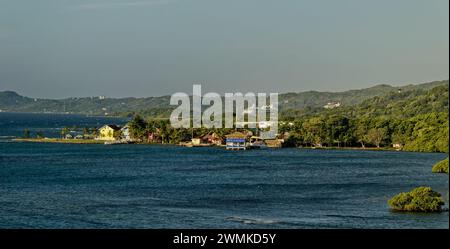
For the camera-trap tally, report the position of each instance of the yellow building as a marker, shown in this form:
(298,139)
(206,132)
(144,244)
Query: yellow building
(109,132)
(196,141)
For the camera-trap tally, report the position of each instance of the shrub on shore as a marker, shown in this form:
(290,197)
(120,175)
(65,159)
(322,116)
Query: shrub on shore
(421,199)
(441,167)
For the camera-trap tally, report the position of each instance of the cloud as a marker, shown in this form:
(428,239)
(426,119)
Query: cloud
(109,5)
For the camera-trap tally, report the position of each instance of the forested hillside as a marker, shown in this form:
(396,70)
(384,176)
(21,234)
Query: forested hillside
(414,120)
(411,120)
(296,103)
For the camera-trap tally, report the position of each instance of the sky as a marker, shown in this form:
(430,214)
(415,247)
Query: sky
(139,48)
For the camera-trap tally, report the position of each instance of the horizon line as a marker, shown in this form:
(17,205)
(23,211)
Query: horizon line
(168,95)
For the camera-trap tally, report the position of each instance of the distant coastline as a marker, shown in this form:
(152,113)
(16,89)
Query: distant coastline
(407,120)
(63,113)
(159,107)
(58,140)
(93,141)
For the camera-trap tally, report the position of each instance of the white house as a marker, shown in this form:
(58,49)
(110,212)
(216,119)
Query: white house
(125,133)
(332,105)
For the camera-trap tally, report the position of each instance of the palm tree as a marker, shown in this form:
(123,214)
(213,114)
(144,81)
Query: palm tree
(26,133)
(39,134)
(64,131)
(137,127)
(164,131)
(85,131)
(94,131)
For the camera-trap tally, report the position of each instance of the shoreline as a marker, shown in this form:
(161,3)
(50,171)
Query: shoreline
(93,141)
(68,114)
(58,140)
(354,148)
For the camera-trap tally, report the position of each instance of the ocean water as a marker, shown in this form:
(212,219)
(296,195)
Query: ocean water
(154,186)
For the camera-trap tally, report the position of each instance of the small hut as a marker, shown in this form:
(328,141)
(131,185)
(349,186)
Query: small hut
(236,141)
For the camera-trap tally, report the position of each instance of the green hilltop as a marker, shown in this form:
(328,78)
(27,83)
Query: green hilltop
(413,120)
(159,106)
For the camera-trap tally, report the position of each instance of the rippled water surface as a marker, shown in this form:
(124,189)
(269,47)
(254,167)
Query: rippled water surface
(142,186)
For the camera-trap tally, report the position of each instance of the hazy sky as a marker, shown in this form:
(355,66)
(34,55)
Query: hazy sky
(118,48)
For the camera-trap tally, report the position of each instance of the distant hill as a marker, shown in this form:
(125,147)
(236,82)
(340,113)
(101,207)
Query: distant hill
(159,106)
(403,103)
(316,99)
(407,104)
(13,102)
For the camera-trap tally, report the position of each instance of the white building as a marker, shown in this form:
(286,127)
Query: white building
(332,105)
(125,133)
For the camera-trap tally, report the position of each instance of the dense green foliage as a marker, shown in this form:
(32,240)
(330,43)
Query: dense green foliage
(441,167)
(313,100)
(421,199)
(26,133)
(415,120)
(158,107)
(160,131)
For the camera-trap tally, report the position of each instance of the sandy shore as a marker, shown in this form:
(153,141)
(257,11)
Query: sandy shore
(59,140)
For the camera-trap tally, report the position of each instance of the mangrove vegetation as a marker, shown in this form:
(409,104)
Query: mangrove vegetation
(421,199)
(441,167)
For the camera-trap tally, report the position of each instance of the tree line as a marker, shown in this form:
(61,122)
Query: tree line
(414,120)
(425,132)
(161,131)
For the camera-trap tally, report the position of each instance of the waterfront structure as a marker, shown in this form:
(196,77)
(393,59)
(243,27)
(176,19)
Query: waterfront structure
(213,139)
(125,133)
(109,132)
(196,141)
(257,142)
(236,141)
(274,143)
(397,146)
(154,137)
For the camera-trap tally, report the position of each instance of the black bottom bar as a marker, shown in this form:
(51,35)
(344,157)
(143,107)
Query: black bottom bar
(224,238)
